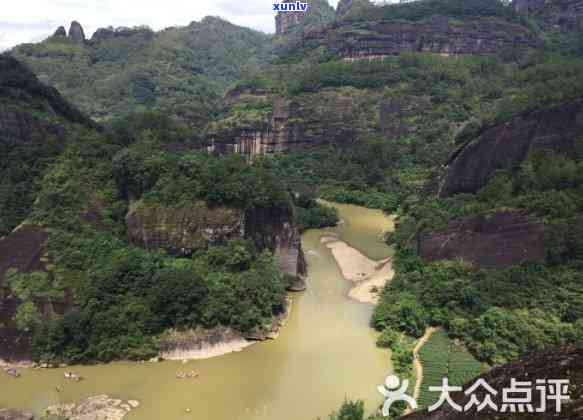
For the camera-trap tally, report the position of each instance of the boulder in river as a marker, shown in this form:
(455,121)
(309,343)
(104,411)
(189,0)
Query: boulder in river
(100,407)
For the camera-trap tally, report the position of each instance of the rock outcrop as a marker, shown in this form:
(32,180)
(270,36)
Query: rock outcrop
(181,231)
(556,363)
(60,32)
(438,34)
(76,32)
(564,14)
(506,146)
(497,240)
(285,22)
(100,407)
(185,230)
(310,120)
(293,20)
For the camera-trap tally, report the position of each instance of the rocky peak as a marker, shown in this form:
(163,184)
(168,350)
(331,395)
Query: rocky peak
(60,32)
(76,32)
(285,22)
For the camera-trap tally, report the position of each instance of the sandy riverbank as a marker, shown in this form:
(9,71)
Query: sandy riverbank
(370,276)
(205,344)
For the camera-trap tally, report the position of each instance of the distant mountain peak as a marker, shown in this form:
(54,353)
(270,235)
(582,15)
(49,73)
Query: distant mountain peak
(76,32)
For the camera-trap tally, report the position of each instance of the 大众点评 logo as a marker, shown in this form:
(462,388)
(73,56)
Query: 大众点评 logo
(517,398)
(297,6)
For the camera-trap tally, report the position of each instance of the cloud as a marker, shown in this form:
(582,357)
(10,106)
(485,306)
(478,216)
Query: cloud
(31,20)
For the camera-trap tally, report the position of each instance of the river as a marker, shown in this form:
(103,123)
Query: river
(324,353)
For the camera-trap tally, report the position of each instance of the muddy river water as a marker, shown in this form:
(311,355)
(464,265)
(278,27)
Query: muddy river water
(324,353)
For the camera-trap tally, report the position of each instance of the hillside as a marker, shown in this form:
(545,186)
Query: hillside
(462,117)
(35,124)
(113,221)
(181,71)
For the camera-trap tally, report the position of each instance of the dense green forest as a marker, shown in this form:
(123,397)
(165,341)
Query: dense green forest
(414,111)
(136,290)
(181,71)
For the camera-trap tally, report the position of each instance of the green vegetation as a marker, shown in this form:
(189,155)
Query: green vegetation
(126,296)
(309,214)
(443,358)
(181,71)
(37,113)
(420,10)
(499,314)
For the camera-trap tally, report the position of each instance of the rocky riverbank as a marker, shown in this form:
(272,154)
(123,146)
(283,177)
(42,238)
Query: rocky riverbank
(205,344)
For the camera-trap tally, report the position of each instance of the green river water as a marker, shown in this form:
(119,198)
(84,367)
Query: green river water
(325,352)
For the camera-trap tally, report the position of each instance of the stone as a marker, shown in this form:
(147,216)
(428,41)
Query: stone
(185,230)
(497,240)
(76,32)
(100,407)
(555,129)
(437,34)
(60,32)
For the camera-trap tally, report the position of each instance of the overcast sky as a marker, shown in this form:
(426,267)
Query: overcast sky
(33,20)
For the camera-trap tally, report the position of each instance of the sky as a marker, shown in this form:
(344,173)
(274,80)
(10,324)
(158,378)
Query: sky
(34,20)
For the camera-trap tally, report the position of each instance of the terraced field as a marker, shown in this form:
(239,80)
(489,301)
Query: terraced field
(441,358)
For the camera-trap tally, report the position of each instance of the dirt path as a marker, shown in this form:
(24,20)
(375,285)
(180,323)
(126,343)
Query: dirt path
(417,365)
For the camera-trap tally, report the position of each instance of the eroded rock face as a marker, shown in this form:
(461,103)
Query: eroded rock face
(565,14)
(374,40)
(311,120)
(76,32)
(506,146)
(496,240)
(286,22)
(182,231)
(557,363)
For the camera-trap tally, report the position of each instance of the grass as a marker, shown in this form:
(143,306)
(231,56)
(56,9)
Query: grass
(442,357)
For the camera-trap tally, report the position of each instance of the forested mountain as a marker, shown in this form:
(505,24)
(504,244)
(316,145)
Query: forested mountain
(181,71)
(463,117)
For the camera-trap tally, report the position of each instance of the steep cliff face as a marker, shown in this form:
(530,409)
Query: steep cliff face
(306,121)
(76,32)
(497,240)
(506,146)
(438,34)
(185,230)
(293,20)
(565,14)
(557,363)
(182,231)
